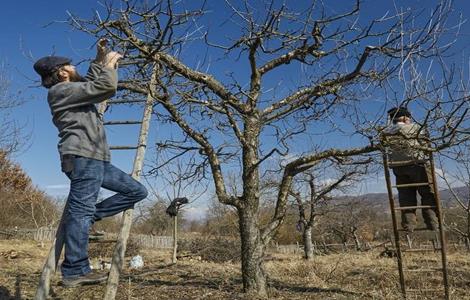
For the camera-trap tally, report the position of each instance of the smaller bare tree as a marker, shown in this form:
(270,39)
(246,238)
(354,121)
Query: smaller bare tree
(312,192)
(351,219)
(152,219)
(176,176)
(460,176)
(12,136)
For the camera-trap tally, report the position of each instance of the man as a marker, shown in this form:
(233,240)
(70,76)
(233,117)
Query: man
(85,155)
(410,165)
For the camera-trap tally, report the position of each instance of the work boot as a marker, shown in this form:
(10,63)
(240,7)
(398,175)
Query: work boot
(430,219)
(408,220)
(90,278)
(95,235)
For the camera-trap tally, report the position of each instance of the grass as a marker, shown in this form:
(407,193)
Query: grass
(338,276)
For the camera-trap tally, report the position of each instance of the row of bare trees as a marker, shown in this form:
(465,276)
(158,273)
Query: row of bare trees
(11,132)
(298,84)
(457,180)
(22,204)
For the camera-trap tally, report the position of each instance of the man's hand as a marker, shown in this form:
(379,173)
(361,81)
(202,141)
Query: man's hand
(111,59)
(101,50)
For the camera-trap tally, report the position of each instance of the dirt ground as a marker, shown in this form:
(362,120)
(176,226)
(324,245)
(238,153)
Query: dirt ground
(337,276)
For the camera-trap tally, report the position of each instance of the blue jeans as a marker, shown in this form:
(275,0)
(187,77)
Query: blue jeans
(87,176)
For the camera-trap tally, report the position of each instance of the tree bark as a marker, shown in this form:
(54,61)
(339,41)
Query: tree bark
(175,239)
(308,245)
(357,242)
(252,252)
(252,242)
(467,238)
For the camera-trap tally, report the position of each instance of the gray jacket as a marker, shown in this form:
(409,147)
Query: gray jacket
(72,105)
(403,143)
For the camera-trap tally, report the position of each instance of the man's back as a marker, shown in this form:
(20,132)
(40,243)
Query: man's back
(404,141)
(74,113)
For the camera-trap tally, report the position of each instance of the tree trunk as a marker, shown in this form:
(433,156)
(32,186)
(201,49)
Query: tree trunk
(357,242)
(308,245)
(175,239)
(467,238)
(252,252)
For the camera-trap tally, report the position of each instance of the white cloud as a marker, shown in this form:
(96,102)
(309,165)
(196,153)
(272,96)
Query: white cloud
(57,186)
(57,190)
(372,185)
(326,182)
(195,212)
(453,181)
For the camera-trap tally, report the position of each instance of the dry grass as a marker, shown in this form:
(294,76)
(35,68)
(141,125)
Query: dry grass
(338,276)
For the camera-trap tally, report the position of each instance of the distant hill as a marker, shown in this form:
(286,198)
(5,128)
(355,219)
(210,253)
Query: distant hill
(379,201)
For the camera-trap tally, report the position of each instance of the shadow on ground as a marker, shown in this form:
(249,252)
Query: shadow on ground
(5,293)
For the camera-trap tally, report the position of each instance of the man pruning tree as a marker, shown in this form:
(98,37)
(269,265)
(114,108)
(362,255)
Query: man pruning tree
(410,165)
(85,155)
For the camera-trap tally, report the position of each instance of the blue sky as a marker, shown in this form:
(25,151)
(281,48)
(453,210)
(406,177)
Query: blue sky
(23,32)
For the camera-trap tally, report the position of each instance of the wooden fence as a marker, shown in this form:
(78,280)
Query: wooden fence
(323,248)
(155,242)
(48,234)
(317,248)
(166,242)
(41,234)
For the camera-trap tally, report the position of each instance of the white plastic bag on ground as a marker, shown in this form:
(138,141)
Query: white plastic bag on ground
(136,262)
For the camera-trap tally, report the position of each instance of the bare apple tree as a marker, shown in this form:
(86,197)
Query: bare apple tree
(457,180)
(11,137)
(300,81)
(313,190)
(175,179)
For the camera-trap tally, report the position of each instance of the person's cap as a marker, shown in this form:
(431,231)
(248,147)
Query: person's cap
(47,65)
(398,112)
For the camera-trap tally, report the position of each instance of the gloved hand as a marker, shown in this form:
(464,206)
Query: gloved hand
(101,50)
(172,209)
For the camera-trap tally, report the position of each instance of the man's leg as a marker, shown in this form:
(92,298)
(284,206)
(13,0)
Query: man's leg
(129,191)
(86,178)
(427,197)
(406,197)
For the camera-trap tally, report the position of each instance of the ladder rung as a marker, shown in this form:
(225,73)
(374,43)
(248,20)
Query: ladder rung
(399,163)
(123,147)
(124,101)
(122,122)
(421,250)
(414,207)
(411,184)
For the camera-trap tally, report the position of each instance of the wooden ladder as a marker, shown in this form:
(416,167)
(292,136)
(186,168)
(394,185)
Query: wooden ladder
(52,260)
(400,249)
